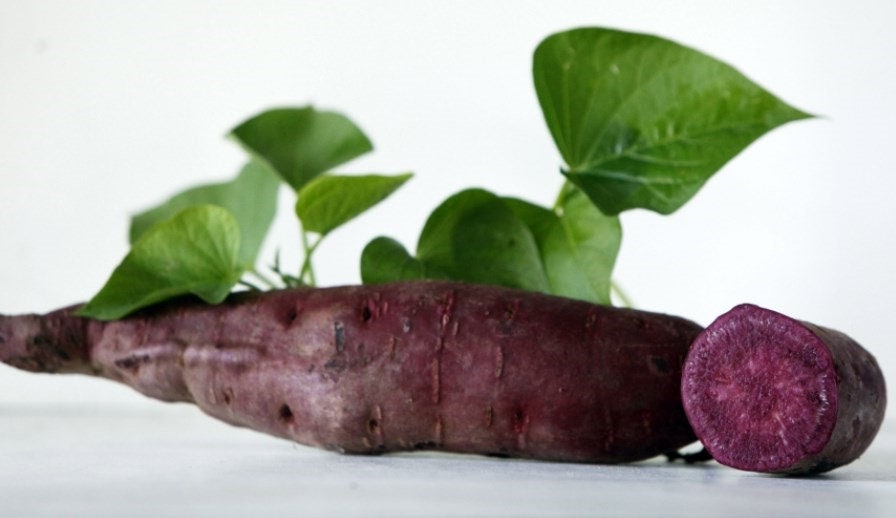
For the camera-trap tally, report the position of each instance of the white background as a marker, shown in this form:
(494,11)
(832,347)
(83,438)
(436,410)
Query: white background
(109,107)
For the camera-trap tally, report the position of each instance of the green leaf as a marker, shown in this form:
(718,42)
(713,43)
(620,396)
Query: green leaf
(194,252)
(386,260)
(329,201)
(301,143)
(578,244)
(472,236)
(251,197)
(642,121)
(476,236)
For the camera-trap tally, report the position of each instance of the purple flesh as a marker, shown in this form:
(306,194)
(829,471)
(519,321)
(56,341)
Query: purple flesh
(768,393)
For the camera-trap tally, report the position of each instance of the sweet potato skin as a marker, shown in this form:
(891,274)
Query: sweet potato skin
(821,395)
(417,365)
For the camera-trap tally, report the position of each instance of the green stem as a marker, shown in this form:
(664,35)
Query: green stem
(249,285)
(623,297)
(306,273)
(267,281)
(562,195)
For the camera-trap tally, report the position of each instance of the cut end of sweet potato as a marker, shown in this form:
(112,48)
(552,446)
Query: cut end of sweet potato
(768,393)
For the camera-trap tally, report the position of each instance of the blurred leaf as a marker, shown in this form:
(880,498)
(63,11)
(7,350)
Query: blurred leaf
(301,143)
(251,197)
(386,260)
(329,201)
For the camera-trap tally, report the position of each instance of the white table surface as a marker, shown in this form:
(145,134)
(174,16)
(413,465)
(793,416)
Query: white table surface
(171,460)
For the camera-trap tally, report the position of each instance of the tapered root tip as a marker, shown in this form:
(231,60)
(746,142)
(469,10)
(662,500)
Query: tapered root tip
(55,342)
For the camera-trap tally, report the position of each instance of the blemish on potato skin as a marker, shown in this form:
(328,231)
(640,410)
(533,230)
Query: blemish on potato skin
(336,364)
(438,430)
(520,420)
(436,381)
(133,362)
(375,422)
(590,320)
(658,365)
(393,345)
(448,309)
(291,316)
(339,336)
(284,413)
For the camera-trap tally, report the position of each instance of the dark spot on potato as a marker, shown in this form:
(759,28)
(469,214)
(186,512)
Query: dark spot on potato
(813,397)
(592,318)
(373,425)
(291,316)
(659,365)
(510,312)
(285,413)
(520,420)
(39,340)
(362,358)
(227,396)
(132,363)
(339,336)
(366,314)
(425,445)
(337,364)
(43,347)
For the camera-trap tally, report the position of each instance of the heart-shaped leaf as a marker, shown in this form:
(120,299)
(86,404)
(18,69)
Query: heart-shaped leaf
(301,143)
(330,201)
(194,252)
(642,121)
(386,260)
(473,236)
(578,244)
(251,197)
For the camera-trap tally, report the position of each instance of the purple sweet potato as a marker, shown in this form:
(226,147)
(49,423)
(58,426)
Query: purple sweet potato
(768,393)
(418,365)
